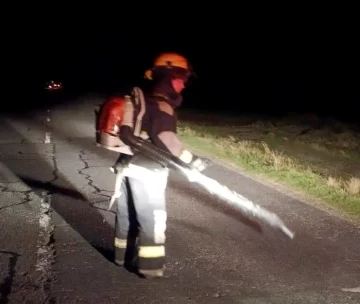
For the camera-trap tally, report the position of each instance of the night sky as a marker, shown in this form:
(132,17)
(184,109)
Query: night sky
(262,69)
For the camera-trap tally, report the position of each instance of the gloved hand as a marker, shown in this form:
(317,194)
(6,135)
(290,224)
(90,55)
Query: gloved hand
(200,163)
(196,162)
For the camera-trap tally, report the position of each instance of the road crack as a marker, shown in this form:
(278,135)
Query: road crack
(26,196)
(97,190)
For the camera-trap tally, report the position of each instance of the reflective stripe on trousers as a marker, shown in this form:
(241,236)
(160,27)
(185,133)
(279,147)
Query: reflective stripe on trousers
(120,243)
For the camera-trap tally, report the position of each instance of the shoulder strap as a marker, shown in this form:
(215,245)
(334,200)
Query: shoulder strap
(139,101)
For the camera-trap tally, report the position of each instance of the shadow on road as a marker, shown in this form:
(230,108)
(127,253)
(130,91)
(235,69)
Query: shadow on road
(6,285)
(51,188)
(210,201)
(66,200)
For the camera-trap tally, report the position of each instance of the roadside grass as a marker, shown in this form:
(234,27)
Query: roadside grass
(321,162)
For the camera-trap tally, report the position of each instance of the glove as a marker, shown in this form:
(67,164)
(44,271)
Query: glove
(200,163)
(196,162)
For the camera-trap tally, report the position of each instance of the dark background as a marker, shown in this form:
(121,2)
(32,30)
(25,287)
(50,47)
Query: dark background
(291,67)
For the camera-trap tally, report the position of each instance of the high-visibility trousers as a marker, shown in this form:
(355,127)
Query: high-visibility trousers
(141,214)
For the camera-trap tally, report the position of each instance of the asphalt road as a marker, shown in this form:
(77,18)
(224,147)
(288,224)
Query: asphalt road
(56,236)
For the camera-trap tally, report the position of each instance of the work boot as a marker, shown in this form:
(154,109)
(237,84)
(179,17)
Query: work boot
(153,273)
(119,256)
(119,262)
(120,247)
(127,253)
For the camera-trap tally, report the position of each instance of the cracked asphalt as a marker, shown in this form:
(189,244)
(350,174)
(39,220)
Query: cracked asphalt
(56,233)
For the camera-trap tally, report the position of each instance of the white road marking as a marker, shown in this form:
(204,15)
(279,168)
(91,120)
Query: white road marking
(356,289)
(47,139)
(44,252)
(44,246)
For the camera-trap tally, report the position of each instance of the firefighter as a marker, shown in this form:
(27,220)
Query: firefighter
(143,188)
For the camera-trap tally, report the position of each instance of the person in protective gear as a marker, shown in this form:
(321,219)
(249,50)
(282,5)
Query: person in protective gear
(145,180)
